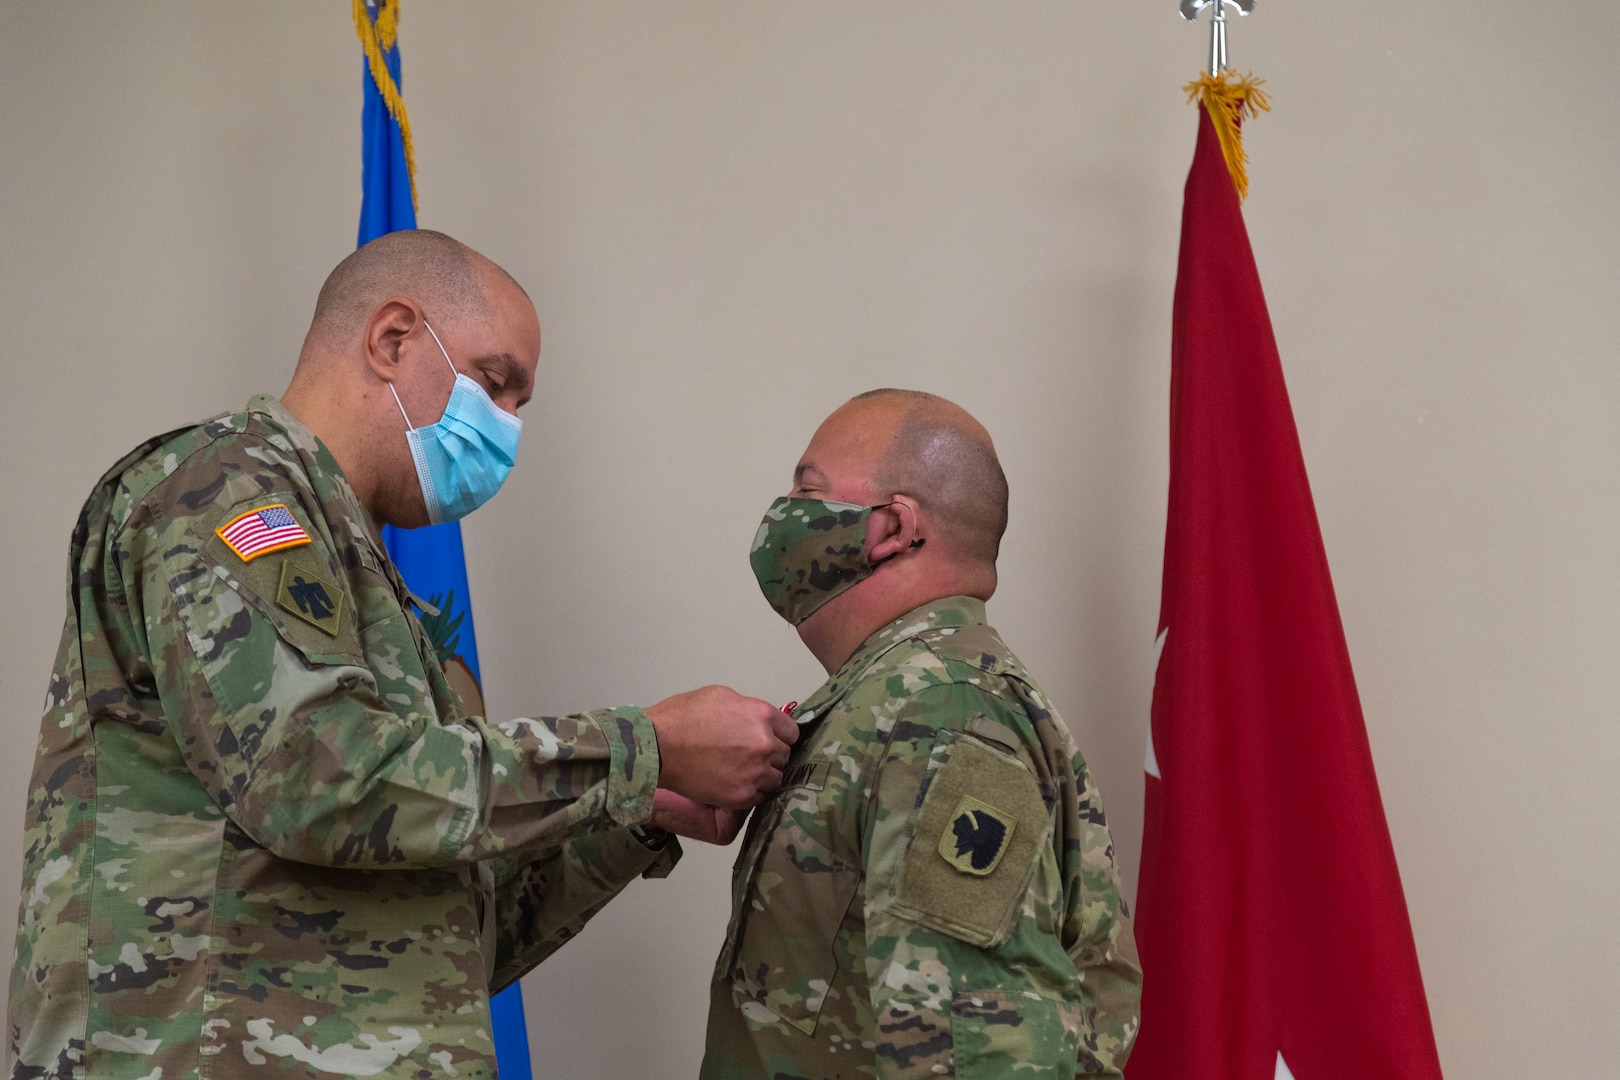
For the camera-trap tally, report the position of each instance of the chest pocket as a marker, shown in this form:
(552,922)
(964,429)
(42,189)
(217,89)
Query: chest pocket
(792,895)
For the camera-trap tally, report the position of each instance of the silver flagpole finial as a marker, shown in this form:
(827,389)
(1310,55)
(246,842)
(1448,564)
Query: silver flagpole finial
(1217,26)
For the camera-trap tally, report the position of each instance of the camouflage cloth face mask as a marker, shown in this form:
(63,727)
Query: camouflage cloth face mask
(807,551)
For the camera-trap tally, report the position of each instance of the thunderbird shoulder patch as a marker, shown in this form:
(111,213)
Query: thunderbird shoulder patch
(311,597)
(259,532)
(976,839)
(977,836)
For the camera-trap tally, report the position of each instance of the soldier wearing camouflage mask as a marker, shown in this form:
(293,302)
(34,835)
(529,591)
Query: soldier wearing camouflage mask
(263,833)
(932,892)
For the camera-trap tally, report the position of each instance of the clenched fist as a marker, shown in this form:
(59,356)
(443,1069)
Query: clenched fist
(720,748)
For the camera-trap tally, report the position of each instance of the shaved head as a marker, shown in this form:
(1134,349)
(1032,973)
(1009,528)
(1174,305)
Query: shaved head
(938,501)
(396,324)
(944,459)
(447,277)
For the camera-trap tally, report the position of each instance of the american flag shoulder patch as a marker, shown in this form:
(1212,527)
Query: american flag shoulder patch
(259,532)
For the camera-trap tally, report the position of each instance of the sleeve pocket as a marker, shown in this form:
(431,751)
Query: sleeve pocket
(978,836)
(1001,1033)
(242,639)
(333,639)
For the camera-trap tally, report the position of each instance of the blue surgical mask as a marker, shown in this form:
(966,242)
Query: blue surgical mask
(462,460)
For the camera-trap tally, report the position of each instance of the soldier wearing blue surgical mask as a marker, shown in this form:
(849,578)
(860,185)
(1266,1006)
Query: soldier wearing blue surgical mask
(262,826)
(424,416)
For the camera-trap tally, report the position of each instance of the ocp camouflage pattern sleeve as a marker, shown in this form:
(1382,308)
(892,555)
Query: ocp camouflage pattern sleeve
(543,902)
(1096,922)
(302,744)
(1019,966)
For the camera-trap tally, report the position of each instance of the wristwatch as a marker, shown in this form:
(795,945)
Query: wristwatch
(651,839)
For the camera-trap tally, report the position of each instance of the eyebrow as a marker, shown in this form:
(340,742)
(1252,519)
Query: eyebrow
(806,467)
(516,375)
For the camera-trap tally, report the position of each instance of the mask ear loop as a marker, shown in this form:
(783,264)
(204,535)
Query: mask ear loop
(391,390)
(447,360)
(442,349)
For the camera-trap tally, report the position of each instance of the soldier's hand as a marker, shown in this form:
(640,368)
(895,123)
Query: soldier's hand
(720,748)
(683,817)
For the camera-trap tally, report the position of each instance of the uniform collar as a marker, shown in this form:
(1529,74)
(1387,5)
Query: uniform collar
(951,611)
(326,477)
(271,408)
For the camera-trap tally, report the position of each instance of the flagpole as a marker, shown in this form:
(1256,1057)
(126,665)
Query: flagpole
(431,559)
(1217,26)
(1226,97)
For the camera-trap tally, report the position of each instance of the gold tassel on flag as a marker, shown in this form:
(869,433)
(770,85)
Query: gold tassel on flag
(1229,99)
(377,38)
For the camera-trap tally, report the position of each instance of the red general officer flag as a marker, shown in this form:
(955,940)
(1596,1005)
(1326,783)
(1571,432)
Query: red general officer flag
(1273,933)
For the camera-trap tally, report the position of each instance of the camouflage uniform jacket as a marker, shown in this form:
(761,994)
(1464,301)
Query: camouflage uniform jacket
(932,892)
(261,832)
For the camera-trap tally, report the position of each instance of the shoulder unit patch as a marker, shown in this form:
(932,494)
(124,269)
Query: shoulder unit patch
(976,839)
(977,836)
(311,597)
(259,532)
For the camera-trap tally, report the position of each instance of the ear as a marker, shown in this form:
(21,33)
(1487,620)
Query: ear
(394,320)
(894,529)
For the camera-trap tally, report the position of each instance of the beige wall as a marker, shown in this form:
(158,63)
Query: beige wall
(735,214)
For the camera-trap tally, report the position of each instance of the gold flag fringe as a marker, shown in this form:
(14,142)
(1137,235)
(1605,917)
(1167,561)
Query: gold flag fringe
(377,38)
(1230,99)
